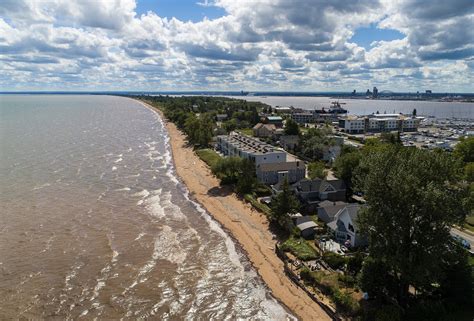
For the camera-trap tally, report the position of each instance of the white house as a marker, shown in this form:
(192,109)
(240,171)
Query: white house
(345,226)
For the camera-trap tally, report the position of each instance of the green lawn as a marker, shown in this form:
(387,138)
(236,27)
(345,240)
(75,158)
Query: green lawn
(246,131)
(299,248)
(208,155)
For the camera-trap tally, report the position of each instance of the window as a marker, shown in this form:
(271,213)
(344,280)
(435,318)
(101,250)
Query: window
(350,227)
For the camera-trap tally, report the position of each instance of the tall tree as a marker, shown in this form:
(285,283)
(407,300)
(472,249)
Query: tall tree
(465,149)
(292,127)
(284,203)
(247,179)
(317,170)
(413,200)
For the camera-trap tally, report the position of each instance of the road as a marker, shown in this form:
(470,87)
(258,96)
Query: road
(467,236)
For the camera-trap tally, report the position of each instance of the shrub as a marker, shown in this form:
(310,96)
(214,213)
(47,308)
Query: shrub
(345,302)
(335,261)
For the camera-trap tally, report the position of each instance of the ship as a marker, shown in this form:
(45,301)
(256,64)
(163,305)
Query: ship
(335,108)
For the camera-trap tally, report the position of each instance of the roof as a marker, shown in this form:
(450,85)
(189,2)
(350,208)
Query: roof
(268,126)
(283,166)
(274,118)
(352,210)
(305,222)
(331,208)
(317,184)
(249,144)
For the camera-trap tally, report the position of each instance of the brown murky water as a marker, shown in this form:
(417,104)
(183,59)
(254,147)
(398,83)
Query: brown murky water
(94,223)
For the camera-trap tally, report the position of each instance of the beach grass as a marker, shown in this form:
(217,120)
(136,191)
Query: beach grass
(209,156)
(256,204)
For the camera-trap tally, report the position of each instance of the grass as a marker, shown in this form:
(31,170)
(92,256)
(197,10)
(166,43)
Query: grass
(469,224)
(209,156)
(300,248)
(246,131)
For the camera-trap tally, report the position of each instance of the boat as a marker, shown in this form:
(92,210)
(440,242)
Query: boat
(335,108)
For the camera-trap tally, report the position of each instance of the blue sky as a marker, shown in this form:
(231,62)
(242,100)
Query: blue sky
(365,36)
(181,9)
(278,45)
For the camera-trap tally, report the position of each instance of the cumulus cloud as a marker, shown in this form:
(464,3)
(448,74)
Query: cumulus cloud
(257,44)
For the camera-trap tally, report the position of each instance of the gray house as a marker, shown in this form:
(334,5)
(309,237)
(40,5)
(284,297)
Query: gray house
(327,210)
(311,192)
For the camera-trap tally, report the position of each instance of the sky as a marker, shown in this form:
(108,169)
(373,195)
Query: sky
(251,45)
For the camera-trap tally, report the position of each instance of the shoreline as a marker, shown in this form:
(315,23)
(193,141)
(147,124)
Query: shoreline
(247,227)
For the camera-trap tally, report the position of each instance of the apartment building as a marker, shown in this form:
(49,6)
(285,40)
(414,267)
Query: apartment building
(269,160)
(379,123)
(244,146)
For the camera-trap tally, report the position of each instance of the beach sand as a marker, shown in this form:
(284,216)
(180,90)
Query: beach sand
(247,226)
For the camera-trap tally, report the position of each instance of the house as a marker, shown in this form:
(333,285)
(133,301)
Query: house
(195,108)
(306,226)
(334,150)
(263,130)
(312,191)
(221,117)
(275,120)
(268,173)
(289,141)
(345,226)
(327,210)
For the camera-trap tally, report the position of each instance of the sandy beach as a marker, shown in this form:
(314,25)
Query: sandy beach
(247,226)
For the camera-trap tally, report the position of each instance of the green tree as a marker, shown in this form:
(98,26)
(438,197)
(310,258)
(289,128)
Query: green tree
(413,200)
(345,164)
(292,127)
(199,129)
(390,138)
(228,169)
(284,203)
(247,179)
(317,170)
(464,150)
(469,172)
(315,142)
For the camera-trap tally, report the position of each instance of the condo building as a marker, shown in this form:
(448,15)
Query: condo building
(269,160)
(379,123)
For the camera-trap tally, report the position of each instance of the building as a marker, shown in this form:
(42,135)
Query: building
(306,226)
(311,192)
(275,120)
(327,210)
(289,141)
(221,117)
(345,226)
(303,117)
(264,130)
(270,162)
(282,110)
(240,145)
(377,123)
(375,92)
(271,173)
